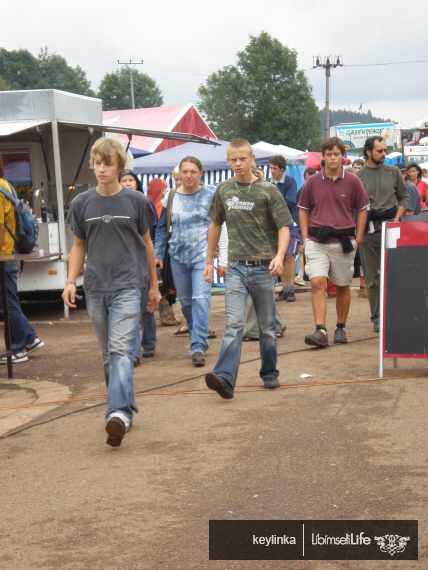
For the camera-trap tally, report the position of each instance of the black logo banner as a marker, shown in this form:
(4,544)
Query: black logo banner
(313,540)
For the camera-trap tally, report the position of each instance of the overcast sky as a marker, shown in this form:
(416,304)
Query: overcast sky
(182,41)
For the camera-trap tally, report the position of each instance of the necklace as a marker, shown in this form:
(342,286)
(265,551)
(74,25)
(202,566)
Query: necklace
(247,189)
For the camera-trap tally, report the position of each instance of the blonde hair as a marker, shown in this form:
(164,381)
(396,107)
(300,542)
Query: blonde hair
(239,143)
(176,171)
(105,148)
(256,171)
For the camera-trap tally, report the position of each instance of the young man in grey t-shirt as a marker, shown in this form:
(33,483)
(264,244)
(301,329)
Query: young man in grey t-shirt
(111,225)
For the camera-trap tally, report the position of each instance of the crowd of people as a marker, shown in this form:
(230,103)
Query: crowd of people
(255,227)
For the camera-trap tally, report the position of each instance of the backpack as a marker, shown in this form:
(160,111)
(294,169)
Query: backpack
(26,224)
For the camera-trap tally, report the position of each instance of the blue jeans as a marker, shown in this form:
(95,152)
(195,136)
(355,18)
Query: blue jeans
(115,318)
(148,327)
(21,332)
(241,281)
(195,298)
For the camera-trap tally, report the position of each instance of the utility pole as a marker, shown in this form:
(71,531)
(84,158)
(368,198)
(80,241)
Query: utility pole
(131,69)
(327,65)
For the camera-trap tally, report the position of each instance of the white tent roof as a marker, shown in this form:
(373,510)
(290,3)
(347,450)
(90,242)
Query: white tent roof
(277,149)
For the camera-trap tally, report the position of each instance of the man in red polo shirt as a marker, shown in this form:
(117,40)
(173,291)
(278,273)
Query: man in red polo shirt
(327,222)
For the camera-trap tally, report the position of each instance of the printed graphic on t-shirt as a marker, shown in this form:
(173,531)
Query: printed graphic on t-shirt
(236,204)
(107,219)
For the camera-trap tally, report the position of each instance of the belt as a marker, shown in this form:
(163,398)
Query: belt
(254,263)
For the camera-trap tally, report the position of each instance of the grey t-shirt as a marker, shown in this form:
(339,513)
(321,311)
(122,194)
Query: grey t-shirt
(113,227)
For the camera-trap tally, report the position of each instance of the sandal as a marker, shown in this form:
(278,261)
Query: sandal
(180,331)
(249,339)
(212,334)
(280,334)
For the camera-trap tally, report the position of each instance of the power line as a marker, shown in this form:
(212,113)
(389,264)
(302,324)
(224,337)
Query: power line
(390,63)
(380,64)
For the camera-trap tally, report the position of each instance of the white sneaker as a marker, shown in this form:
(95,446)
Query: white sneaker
(35,345)
(16,357)
(299,281)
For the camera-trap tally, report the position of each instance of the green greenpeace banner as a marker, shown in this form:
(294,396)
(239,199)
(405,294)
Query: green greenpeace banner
(354,136)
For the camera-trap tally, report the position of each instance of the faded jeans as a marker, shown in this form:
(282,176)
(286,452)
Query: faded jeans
(148,327)
(241,281)
(195,298)
(21,332)
(115,318)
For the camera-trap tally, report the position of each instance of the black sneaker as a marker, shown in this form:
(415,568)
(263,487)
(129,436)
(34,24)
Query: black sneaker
(340,336)
(319,339)
(148,352)
(198,359)
(283,296)
(271,383)
(116,429)
(219,385)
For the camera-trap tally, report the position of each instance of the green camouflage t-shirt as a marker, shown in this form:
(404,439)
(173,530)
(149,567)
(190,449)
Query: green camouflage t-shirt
(253,217)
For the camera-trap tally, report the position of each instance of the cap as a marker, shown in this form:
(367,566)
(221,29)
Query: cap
(401,167)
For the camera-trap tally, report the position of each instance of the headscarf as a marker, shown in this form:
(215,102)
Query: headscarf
(155,190)
(134,176)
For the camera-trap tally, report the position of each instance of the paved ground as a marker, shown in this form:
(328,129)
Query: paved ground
(340,444)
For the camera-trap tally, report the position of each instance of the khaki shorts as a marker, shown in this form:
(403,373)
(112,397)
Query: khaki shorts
(328,260)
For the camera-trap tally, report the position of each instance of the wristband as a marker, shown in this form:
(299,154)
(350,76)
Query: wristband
(71,283)
(209,263)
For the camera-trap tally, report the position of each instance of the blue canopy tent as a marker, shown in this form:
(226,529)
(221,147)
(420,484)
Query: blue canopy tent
(137,152)
(214,163)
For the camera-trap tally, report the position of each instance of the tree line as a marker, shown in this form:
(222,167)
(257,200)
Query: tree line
(264,96)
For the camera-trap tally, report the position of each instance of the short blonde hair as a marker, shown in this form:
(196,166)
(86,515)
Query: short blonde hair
(239,143)
(176,171)
(105,148)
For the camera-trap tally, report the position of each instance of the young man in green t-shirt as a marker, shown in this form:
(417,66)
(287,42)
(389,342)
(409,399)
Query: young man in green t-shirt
(258,221)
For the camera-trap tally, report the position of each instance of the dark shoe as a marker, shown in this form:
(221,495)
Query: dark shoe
(198,359)
(291,297)
(376,327)
(283,296)
(212,334)
(116,429)
(148,352)
(340,336)
(135,361)
(319,339)
(219,385)
(271,383)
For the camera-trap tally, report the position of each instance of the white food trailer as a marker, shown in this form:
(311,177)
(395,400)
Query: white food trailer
(45,139)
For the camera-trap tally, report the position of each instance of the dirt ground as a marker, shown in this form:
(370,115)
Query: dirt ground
(340,444)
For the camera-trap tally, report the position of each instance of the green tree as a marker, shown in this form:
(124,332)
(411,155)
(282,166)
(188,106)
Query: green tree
(263,97)
(115,90)
(55,73)
(19,69)
(4,85)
